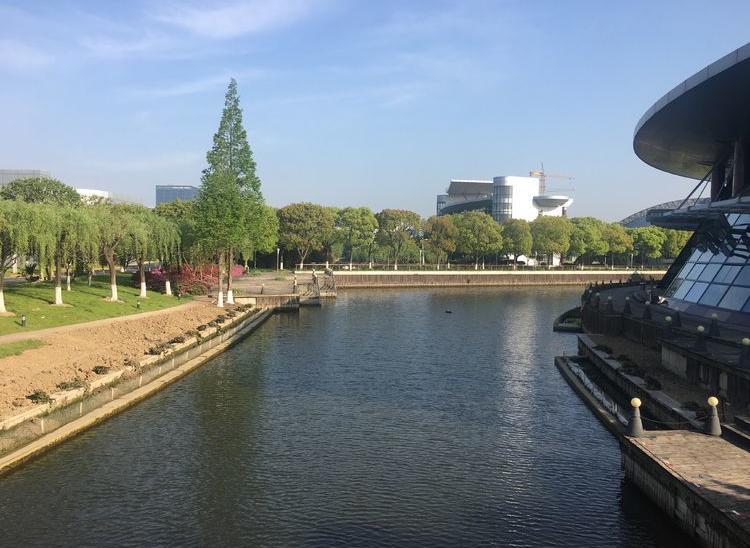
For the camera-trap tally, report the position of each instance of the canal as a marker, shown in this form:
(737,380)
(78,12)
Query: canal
(404,417)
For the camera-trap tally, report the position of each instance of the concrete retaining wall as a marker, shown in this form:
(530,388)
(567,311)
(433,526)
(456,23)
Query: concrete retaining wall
(480,278)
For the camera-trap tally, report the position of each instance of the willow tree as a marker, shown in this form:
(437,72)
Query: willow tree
(17,224)
(152,238)
(113,226)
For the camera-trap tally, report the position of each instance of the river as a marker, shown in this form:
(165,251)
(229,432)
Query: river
(378,420)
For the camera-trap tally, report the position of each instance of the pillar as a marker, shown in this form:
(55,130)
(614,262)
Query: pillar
(738,167)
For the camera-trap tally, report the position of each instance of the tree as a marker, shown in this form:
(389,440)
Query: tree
(517,239)
(151,238)
(303,227)
(331,237)
(113,226)
(182,214)
(220,219)
(262,231)
(478,235)
(397,228)
(441,235)
(648,242)
(618,240)
(358,226)
(231,152)
(586,239)
(674,243)
(40,190)
(551,236)
(232,157)
(17,226)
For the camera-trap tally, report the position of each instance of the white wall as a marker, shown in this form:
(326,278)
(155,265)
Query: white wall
(524,190)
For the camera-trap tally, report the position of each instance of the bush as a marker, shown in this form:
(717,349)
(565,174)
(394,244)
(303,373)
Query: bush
(39,396)
(155,279)
(70,385)
(158,349)
(177,339)
(202,327)
(100,369)
(200,280)
(652,383)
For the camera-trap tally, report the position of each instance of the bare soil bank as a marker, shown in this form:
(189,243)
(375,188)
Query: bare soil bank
(73,352)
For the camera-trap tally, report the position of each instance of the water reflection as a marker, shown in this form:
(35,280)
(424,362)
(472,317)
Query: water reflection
(377,421)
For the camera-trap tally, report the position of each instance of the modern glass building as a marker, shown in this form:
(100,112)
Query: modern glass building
(170,193)
(701,130)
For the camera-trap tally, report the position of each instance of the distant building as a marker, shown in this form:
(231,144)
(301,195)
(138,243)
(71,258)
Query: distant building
(170,193)
(641,218)
(8,175)
(504,198)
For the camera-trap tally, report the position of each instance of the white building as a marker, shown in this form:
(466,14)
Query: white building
(505,197)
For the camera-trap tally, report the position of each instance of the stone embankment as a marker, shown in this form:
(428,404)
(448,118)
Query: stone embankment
(42,426)
(479,278)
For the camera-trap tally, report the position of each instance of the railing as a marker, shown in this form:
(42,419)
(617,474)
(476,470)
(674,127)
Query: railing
(412,267)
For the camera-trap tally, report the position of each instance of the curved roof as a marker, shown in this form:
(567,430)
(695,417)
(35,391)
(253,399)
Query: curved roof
(639,218)
(689,128)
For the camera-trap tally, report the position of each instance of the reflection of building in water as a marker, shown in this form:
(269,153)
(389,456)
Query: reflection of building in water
(505,198)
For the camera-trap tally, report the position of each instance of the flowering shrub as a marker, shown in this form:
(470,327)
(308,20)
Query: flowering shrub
(188,280)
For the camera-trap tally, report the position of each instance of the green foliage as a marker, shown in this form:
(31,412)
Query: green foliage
(182,214)
(19,224)
(262,230)
(220,213)
(517,238)
(617,238)
(587,238)
(441,235)
(358,227)
(40,190)
(551,235)
(674,242)
(303,227)
(39,396)
(648,241)
(478,234)
(397,229)
(231,152)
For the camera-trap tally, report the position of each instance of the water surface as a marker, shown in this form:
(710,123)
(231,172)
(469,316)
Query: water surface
(379,420)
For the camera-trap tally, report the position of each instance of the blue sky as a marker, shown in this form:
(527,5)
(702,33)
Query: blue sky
(353,102)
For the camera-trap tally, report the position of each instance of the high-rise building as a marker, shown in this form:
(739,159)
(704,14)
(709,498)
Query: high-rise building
(170,193)
(8,175)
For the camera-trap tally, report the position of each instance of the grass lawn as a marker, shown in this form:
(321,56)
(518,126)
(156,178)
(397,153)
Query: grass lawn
(82,303)
(16,348)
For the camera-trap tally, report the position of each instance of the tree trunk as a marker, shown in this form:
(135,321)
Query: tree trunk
(58,280)
(167,287)
(142,275)
(2,287)
(91,274)
(67,277)
(110,255)
(230,293)
(220,297)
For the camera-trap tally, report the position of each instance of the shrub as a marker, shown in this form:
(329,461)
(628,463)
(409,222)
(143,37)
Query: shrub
(158,349)
(213,323)
(202,327)
(70,385)
(155,279)
(39,396)
(177,339)
(221,318)
(652,383)
(100,369)
(200,280)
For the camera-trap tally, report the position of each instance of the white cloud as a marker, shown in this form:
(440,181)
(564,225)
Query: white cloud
(236,18)
(111,47)
(17,56)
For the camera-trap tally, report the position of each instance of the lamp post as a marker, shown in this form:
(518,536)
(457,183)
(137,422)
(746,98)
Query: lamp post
(23,320)
(277,258)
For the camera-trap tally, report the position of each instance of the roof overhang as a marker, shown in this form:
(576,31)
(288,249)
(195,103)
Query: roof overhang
(694,125)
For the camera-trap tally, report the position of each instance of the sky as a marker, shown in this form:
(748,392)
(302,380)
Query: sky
(350,103)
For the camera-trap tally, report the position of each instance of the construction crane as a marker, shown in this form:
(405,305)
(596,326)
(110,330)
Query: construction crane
(543,176)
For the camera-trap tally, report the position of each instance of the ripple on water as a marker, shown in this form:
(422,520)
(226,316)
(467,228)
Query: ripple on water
(377,421)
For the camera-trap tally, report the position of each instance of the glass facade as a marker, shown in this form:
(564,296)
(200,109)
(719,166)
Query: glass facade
(502,203)
(717,273)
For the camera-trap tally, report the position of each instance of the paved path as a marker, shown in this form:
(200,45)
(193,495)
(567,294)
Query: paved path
(13,337)
(716,469)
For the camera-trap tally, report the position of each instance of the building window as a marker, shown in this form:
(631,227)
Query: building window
(502,203)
